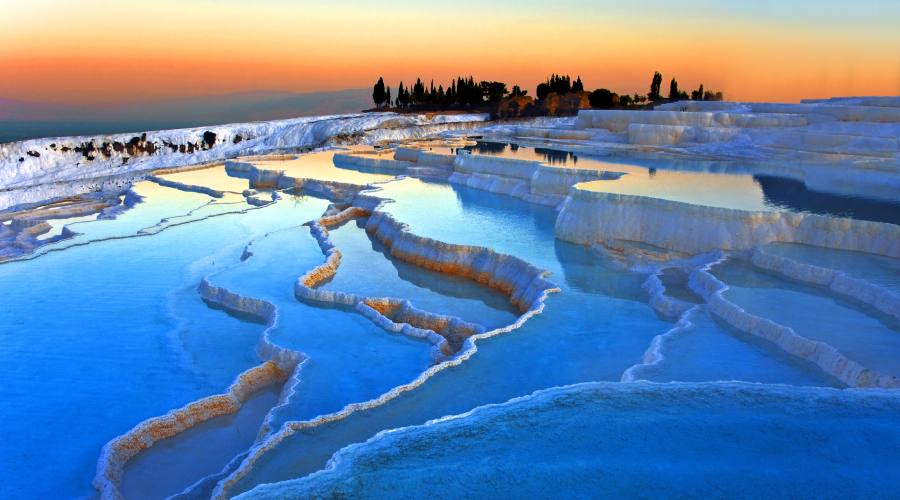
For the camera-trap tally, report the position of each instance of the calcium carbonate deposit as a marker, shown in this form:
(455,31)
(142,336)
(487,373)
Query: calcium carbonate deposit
(702,299)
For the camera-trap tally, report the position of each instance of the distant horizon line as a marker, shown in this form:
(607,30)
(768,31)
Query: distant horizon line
(113,103)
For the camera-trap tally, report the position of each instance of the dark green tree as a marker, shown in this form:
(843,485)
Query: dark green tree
(543,90)
(655,85)
(673,90)
(603,98)
(402,96)
(697,95)
(518,92)
(378,92)
(493,91)
(387,98)
(450,97)
(418,92)
(560,84)
(578,86)
(468,93)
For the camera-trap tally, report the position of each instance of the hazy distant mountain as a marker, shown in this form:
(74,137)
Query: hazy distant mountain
(24,120)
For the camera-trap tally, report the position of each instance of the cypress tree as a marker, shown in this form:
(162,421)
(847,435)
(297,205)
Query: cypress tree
(378,92)
(400,95)
(578,86)
(655,85)
(543,90)
(697,95)
(673,89)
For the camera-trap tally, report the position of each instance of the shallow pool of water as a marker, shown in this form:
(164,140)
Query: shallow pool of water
(710,183)
(861,334)
(96,338)
(633,440)
(882,271)
(107,328)
(213,177)
(367,268)
(319,165)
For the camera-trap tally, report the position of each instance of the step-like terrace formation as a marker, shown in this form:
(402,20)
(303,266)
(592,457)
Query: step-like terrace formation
(591,216)
(585,217)
(525,284)
(826,357)
(41,161)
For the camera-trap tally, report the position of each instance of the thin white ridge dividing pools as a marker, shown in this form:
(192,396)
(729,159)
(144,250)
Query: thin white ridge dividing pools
(826,357)
(524,283)
(278,366)
(839,282)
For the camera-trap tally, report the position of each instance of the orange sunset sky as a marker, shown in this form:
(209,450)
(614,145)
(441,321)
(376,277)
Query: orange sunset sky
(94,51)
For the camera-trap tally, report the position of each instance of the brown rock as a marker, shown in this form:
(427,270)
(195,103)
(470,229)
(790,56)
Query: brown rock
(567,104)
(513,107)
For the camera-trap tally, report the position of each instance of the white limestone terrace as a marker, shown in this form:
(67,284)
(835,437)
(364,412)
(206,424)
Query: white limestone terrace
(453,340)
(600,212)
(42,161)
(858,127)
(847,147)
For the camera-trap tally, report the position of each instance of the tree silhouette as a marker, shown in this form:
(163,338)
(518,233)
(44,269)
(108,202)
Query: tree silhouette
(387,96)
(655,85)
(402,96)
(578,86)
(518,92)
(603,98)
(697,95)
(418,92)
(494,91)
(378,92)
(673,90)
(560,84)
(543,90)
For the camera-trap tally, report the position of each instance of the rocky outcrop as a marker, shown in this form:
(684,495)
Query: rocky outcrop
(565,104)
(518,107)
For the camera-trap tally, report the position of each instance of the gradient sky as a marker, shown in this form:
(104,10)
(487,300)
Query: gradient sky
(92,51)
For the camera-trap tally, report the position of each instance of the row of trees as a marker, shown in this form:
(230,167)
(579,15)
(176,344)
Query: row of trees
(460,92)
(676,94)
(466,92)
(559,84)
(605,98)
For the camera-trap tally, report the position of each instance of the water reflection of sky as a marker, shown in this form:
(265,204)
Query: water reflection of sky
(715,184)
(320,165)
(211,177)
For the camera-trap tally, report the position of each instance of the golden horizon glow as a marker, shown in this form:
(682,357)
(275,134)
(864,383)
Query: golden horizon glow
(104,51)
